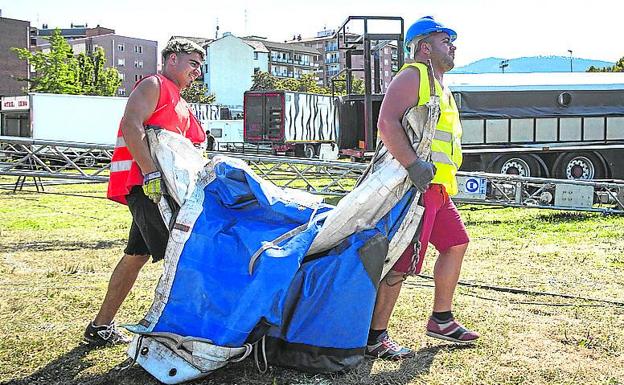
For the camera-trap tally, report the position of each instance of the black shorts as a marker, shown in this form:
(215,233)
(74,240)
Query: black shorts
(148,233)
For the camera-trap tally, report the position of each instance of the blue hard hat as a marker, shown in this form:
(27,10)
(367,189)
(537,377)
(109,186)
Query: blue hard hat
(424,26)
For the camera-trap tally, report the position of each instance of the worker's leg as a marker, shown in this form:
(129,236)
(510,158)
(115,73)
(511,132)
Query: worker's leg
(379,342)
(445,275)
(449,236)
(121,281)
(148,236)
(387,295)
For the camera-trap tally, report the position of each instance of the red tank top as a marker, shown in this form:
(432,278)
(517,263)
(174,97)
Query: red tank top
(171,113)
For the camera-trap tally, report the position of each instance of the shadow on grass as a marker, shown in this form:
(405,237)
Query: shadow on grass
(66,369)
(566,217)
(410,368)
(546,217)
(56,245)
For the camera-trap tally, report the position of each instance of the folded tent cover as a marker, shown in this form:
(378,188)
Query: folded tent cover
(250,263)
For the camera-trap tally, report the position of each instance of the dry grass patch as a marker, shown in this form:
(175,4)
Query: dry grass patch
(57,253)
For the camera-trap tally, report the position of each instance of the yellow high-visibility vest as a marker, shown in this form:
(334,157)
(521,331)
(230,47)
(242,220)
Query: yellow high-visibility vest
(446,152)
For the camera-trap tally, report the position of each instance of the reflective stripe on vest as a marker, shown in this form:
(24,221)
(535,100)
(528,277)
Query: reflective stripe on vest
(446,144)
(443,136)
(120,142)
(441,157)
(121,165)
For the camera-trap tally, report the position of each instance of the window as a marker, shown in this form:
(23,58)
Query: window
(122,76)
(120,47)
(138,49)
(385,62)
(138,64)
(386,73)
(256,70)
(255,55)
(138,77)
(121,62)
(121,92)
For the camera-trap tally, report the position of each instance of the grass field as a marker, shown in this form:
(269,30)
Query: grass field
(57,252)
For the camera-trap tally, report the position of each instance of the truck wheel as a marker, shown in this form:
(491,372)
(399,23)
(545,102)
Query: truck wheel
(308,151)
(299,151)
(583,166)
(89,161)
(522,165)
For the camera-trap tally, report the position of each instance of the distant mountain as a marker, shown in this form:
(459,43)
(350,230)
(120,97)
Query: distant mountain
(531,64)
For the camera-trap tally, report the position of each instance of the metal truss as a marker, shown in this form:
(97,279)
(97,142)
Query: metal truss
(75,162)
(561,194)
(315,176)
(23,157)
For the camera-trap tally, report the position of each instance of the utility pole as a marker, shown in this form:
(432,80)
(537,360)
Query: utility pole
(503,64)
(571,69)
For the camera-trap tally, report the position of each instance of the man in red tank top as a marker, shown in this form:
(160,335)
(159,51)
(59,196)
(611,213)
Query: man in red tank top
(135,180)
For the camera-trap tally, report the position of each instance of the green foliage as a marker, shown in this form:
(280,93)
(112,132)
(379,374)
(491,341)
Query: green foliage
(60,72)
(106,81)
(618,67)
(306,83)
(263,81)
(340,85)
(197,92)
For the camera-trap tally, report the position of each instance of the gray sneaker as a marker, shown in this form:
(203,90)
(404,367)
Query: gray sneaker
(387,349)
(100,335)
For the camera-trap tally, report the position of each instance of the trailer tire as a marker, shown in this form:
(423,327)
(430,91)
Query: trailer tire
(523,165)
(580,166)
(308,151)
(89,161)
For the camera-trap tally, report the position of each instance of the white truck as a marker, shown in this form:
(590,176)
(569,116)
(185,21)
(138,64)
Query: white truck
(561,125)
(83,118)
(63,118)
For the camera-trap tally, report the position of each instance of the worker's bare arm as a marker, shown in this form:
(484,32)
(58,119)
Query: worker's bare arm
(141,105)
(401,95)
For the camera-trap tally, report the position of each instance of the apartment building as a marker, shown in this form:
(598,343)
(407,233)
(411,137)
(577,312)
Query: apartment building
(331,60)
(14,33)
(287,60)
(133,57)
(232,61)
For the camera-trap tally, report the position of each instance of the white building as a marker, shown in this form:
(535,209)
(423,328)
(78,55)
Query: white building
(229,68)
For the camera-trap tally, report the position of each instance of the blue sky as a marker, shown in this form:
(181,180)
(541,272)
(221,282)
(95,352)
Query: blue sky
(485,28)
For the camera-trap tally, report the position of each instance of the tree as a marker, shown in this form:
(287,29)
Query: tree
(263,81)
(59,71)
(86,74)
(106,81)
(55,70)
(618,67)
(307,83)
(289,84)
(197,92)
(340,85)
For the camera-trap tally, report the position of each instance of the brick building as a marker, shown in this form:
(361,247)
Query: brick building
(14,33)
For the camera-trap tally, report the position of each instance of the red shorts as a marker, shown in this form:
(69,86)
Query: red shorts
(441,225)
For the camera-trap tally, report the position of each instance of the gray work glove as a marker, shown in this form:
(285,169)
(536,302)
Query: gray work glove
(421,173)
